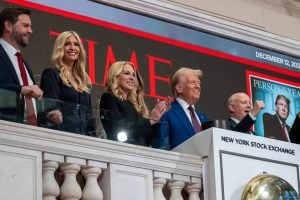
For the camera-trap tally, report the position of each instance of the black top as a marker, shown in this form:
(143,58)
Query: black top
(75,106)
(295,131)
(244,126)
(117,115)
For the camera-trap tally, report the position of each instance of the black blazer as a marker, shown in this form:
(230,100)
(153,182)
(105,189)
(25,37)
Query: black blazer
(272,127)
(11,103)
(117,115)
(75,106)
(244,126)
(295,131)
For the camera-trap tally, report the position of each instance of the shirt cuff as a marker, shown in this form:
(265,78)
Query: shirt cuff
(251,116)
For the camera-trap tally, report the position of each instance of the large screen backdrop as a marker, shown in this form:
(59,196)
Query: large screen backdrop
(225,63)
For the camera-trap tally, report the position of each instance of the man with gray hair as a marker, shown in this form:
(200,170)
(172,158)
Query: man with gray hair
(182,121)
(242,114)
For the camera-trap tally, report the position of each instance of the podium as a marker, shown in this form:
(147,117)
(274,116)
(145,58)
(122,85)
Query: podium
(232,159)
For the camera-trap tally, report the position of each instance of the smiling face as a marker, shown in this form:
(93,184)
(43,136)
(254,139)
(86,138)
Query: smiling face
(127,79)
(189,88)
(239,106)
(71,50)
(20,32)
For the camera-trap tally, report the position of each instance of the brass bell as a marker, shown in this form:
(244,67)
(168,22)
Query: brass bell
(269,187)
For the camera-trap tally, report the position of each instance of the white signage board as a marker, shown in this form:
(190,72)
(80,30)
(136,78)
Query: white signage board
(232,159)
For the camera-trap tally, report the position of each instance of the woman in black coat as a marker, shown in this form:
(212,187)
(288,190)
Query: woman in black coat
(124,115)
(67,87)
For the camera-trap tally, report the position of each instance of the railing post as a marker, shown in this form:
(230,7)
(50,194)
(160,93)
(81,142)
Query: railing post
(194,188)
(176,185)
(91,190)
(91,172)
(50,186)
(70,189)
(159,181)
(175,189)
(158,184)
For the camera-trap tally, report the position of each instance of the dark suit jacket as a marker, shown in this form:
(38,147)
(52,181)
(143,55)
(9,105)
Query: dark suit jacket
(295,131)
(243,126)
(117,115)
(175,127)
(12,103)
(272,127)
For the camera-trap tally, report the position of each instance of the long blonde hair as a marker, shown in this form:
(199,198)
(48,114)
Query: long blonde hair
(135,97)
(78,70)
(140,95)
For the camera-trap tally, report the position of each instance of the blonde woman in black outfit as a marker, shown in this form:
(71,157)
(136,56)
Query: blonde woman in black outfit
(69,83)
(124,115)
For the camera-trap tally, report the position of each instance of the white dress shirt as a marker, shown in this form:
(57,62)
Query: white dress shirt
(185,107)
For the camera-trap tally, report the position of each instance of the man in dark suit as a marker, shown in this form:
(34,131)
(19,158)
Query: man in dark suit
(275,125)
(15,31)
(181,121)
(242,114)
(295,130)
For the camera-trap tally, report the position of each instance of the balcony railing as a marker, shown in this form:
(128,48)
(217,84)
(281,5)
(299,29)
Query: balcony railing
(51,162)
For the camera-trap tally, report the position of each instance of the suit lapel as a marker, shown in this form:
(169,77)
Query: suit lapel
(201,117)
(231,124)
(182,118)
(7,63)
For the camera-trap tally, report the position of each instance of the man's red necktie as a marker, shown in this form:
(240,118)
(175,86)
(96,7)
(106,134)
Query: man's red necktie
(284,132)
(28,100)
(195,122)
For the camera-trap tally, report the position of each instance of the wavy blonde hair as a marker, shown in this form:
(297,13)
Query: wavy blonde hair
(78,70)
(140,95)
(135,97)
